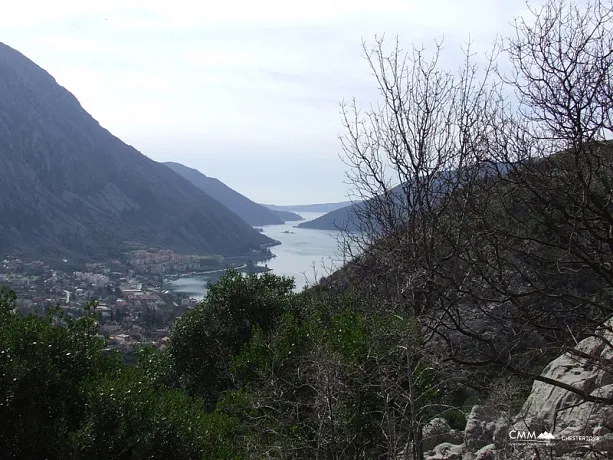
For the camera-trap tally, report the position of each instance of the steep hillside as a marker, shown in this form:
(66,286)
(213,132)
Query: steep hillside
(250,212)
(69,188)
(501,254)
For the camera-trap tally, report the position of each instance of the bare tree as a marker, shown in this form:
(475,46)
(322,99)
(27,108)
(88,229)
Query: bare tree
(553,230)
(410,151)
(490,218)
(421,145)
(563,59)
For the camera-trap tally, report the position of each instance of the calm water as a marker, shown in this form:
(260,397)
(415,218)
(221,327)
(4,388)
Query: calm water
(304,254)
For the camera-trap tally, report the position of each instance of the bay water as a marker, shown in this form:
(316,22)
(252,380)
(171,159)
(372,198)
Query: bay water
(304,254)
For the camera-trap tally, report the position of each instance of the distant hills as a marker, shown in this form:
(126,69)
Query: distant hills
(250,212)
(69,188)
(319,207)
(344,218)
(348,217)
(288,216)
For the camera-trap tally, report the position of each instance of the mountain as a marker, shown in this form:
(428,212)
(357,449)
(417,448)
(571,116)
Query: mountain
(338,219)
(250,212)
(348,217)
(69,188)
(319,207)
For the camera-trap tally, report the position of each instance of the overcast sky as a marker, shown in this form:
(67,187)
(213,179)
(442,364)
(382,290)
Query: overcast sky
(246,91)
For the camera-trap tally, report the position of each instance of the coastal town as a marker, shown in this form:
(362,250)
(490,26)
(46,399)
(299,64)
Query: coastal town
(133,298)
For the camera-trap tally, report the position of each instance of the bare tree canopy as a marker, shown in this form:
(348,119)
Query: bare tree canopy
(485,198)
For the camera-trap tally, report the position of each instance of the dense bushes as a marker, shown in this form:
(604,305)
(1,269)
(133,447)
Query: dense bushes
(62,395)
(204,340)
(255,370)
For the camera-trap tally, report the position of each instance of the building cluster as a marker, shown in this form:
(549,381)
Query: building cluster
(94,279)
(131,303)
(166,261)
(131,309)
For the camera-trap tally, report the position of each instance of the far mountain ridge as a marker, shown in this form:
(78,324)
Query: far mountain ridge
(347,218)
(289,216)
(317,207)
(344,218)
(252,213)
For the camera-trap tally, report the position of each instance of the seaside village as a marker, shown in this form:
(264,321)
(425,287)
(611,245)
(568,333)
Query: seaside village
(133,300)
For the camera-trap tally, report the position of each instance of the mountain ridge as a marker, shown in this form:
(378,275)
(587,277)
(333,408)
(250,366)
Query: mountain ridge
(251,212)
(71,188)
(316,207)
(354,217)
(343,219)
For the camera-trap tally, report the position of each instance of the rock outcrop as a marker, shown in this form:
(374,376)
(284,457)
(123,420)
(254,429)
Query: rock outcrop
(562,411)
(438,431)
(484,425)
(575,422)
(589,369)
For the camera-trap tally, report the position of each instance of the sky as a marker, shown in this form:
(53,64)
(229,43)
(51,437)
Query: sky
(242,90)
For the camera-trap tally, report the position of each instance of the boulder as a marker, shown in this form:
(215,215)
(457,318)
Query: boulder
(489,452)
(549,408)
(438,431)
(564,413)
(484,426)
(446,451)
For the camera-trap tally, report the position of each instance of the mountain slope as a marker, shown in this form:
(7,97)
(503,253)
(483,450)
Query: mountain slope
(349,218)
(250,212)
(69,188)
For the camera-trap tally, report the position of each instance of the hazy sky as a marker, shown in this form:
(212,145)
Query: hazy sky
(246,91)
